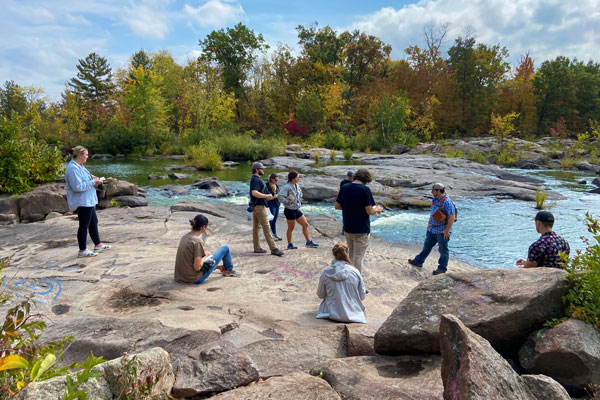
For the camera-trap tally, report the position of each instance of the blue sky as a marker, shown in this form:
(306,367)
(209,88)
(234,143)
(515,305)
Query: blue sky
(42,41)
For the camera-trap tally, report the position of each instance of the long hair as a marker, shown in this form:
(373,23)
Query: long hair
(271,182)
(340,252)
(292,175)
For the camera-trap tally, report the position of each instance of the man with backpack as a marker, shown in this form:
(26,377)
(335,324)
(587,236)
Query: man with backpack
(439,228)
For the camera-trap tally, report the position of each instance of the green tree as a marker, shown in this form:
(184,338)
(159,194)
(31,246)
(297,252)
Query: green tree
(502,126)
(323,45)
(234,51)
(12,99)
(146,106)
(388,117)
(171,82)
(309,110)
(478,71)
(555,90)
(93,82)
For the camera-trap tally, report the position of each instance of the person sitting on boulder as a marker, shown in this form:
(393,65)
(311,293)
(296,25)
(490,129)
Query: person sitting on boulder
(342,289)
(545,251)
(194,263)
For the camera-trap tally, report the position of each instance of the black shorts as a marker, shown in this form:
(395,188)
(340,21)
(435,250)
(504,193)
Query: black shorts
(292,214)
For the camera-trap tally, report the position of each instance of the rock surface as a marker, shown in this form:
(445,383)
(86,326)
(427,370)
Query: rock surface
(213,185)
(153,362)
(405,377)
(471,369)
(296,386)
(211,368)
(503,306)
(568,352)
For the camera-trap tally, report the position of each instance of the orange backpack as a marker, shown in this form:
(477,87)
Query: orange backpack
(439,215)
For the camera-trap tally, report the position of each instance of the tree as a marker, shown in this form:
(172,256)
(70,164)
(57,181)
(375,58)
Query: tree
(388,117)
(234,52)
(146,106)
(323,45)
(93,81)
(502,126)
(478,71)
(12,99)
(555,90)
(364,58)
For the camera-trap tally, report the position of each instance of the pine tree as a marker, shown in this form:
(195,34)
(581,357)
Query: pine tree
(93,82)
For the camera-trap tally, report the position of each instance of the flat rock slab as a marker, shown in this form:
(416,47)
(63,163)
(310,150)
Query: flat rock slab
(472,369)
(503,306)
(404,377)
(296,386)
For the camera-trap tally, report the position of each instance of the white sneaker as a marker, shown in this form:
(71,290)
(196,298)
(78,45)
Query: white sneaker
(232,273)
(100,248)
(86,253)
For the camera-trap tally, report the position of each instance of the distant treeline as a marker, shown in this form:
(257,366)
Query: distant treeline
(343,91)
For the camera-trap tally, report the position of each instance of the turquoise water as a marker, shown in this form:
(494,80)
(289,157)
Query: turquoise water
(489,233)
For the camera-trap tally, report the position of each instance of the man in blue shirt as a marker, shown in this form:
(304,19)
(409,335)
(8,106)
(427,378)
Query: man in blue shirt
(439,228)
(357,204)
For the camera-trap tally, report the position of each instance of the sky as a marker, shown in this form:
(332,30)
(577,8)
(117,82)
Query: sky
(41,41)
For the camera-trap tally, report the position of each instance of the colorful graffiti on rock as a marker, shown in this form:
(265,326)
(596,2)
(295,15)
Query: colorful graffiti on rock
(43,291)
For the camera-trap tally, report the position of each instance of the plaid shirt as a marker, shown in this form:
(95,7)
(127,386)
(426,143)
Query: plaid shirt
(448,208)
(546,249)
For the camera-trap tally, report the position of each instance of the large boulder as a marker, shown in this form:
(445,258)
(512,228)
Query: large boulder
(295,386)
(214,187)
(111,337)
(472,369)
(211,368)
(114,187)
(503,306)
(596,182)
(9,210)
(319,188)
(568,352)
(404,377)
(34,206)
(131,201)
(153,362)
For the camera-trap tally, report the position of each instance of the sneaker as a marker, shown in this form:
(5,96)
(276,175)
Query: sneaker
(86,253)
(101,247)
(291,246)
(277,252)
(413,262)
(260,251)
(279,239)
(312,244)
(437,272)
(232,273)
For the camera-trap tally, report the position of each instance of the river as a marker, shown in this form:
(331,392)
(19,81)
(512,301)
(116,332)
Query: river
(489,233)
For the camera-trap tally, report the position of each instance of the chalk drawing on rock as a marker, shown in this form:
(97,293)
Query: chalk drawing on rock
(41,290)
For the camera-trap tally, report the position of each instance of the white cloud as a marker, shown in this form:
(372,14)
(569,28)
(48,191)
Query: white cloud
(148,19)
(214,13)
(543,28)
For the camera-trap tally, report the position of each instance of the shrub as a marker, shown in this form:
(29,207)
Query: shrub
(204,157)
(567,162)
(317,157)
(332,155)
(336,140)
(245,147)
(506,158)
(583,270)
(452,153)
(316,140)
(25,161)
(348,154)
(540,199)
(477,156)
(136,382)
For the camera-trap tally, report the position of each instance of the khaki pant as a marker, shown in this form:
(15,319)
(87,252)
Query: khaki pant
(261,218)
(357,247)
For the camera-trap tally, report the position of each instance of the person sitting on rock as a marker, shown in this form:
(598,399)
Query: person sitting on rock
(342,289)
(545,251)
(193,263)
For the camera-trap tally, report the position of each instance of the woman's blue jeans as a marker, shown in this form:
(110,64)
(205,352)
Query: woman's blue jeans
(431,239)
(275,211)
(222,254)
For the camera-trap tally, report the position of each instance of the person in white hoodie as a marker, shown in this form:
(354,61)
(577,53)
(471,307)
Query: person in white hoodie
(342,289)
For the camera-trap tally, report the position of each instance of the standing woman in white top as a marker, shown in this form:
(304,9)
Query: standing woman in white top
(82,199)
(291,198)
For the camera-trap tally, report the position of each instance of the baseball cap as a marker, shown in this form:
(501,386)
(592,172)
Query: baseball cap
(438,186)
(257,165)
(545,216)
